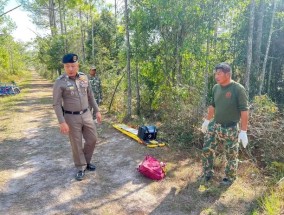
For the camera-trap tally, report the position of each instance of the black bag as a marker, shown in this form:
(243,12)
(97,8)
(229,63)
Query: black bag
(147,132)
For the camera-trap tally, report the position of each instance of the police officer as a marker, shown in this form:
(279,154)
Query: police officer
(229,106)
(96,86)
(72,96)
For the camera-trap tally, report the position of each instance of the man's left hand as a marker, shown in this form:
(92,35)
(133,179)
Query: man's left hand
(99,117)
(243,137)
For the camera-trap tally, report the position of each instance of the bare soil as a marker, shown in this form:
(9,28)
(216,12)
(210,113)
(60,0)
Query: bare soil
(37,171)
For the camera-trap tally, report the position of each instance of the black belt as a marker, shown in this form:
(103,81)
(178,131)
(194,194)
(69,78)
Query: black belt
(76,112)
(228,125)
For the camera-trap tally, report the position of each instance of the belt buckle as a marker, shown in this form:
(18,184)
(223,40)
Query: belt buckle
(81,112)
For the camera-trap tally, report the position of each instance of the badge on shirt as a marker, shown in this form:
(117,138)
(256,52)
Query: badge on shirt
(228,95)
(83,81)
(82,78)
(70,86)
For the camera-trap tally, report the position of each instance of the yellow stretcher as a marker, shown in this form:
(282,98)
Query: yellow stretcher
(131,132)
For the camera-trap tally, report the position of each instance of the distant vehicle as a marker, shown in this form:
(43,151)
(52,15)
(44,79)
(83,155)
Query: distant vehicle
(6,90)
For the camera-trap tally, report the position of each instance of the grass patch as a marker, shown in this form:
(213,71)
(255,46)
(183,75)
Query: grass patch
(8,113)
(45,100)
(273,203)
(209,211)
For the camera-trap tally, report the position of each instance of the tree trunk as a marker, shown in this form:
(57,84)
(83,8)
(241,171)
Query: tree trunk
(92,33)
(52,21)
(62,23)
(115,17)
(114,92)
(93,41)
(267,50)
(269,78)
(249,47)
(65,29)
(179,41)
(82,36)
(205,93)
(137,87)
(116,45)
(129,92)
(60,17)
(259,38)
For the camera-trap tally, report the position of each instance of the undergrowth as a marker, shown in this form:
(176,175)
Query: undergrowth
(181,129)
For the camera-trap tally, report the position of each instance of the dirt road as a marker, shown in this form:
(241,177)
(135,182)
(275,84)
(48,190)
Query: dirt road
(37,171)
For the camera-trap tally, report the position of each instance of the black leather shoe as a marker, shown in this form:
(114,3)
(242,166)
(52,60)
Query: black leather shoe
(91,167)
(80,175)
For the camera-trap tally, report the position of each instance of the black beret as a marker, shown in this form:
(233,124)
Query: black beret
(70,58)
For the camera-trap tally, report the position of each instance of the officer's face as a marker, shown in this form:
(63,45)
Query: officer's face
(222,78)
(71,69)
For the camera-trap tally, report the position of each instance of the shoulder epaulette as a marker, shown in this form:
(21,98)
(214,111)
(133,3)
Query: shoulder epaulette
(60,77)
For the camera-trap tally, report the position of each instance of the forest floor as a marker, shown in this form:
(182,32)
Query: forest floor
(37,171)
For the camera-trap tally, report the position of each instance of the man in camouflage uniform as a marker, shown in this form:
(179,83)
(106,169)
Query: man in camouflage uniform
(96,86)
(229,105)
(72,95)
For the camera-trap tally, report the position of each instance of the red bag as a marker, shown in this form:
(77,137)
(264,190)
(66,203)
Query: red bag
(152,168)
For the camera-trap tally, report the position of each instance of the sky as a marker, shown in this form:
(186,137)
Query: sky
(25,27)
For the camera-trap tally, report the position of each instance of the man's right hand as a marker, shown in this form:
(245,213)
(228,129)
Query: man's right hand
(204,127)
(64,128)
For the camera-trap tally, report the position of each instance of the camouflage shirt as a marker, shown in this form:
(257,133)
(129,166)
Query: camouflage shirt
(95,84)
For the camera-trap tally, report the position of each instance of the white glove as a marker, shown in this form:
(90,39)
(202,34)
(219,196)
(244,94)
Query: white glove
(204,127)
(243,137)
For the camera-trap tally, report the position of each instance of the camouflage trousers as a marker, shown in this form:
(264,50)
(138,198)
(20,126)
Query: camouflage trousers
(227,138)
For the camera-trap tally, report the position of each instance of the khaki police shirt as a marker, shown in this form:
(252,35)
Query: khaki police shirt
(73,95)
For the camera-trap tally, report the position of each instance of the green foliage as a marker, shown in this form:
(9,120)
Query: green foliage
(278,166)
(106,42)
(12,58)
(238,49)
(266,131)
(276,169)
(179,116)
(273,202)
(55,52)
(264,105)
(49,55)
(174,46)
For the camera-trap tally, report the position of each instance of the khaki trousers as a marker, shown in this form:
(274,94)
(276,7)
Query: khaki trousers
(82,126)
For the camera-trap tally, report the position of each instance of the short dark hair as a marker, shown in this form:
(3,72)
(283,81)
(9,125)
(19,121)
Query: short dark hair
(225,67)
